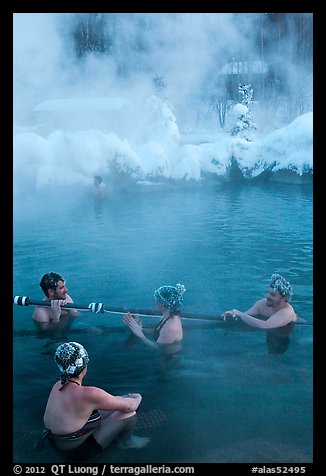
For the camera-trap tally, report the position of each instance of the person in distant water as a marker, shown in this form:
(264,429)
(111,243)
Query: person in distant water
(98,187)
(76,413)
(271,312)
(168,333)
(54,287)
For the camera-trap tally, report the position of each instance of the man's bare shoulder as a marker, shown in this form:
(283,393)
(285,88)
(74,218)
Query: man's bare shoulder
(259,308)
(41,314)
(289,311)
(261,302)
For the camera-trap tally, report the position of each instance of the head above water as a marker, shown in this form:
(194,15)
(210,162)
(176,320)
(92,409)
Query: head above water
(278,283)
(50,281)
(71,359)
(171,297)
(97,180)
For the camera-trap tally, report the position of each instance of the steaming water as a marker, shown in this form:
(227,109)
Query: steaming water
(234,394)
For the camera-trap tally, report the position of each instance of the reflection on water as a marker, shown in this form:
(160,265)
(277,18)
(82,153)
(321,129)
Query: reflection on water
(278,340)
(169,365)
(231,393)
(98,208)
(54,329)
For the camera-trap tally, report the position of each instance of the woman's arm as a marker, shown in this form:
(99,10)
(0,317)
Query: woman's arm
(102,400)
(135,325)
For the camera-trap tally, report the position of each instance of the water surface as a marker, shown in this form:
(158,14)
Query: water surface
(234,394)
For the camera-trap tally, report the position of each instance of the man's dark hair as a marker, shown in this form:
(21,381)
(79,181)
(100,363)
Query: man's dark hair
(50,281)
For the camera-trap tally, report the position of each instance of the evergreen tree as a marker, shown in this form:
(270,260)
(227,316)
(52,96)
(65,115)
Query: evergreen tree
(244,121)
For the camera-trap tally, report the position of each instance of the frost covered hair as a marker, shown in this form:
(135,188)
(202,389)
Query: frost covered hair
(278,283)
(50,281)
(170,296)
(71,358)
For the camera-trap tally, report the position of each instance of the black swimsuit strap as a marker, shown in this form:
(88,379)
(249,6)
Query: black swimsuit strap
(159,326)
(72,381)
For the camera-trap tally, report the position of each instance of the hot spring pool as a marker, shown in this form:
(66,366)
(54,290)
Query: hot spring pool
(234,393)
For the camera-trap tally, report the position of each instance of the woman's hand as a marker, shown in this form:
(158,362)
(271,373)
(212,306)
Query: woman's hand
(135,402)
(134,323)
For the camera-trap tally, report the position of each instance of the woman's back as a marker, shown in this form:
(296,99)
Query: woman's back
(171,331)
(67,410)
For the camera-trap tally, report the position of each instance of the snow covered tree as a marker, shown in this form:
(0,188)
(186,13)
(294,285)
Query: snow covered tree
(242,114)
(247,94)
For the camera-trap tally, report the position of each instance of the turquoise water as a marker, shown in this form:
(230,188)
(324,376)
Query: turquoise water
(234,394)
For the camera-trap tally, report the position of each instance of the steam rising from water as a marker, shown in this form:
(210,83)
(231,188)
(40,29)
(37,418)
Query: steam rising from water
(185,48)
(67,145)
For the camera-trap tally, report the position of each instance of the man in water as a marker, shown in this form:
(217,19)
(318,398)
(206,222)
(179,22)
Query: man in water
(54,287)
(98,187)
(271,312)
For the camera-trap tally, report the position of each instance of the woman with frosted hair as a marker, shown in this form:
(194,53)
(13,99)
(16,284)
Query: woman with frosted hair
(169,330)
(77,413)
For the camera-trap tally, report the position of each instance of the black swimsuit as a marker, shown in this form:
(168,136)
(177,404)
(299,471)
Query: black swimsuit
(93,422)
(157,330)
